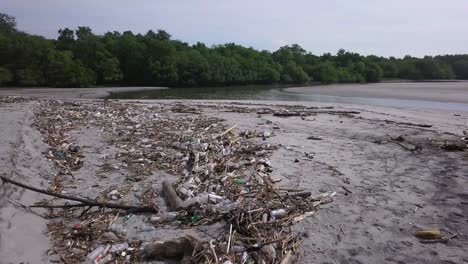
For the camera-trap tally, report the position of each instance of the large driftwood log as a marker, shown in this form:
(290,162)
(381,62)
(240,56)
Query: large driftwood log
(84,202)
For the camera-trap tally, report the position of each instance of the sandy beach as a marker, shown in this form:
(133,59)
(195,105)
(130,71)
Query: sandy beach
(389,168)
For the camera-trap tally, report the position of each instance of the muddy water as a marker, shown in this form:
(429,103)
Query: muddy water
(431,95)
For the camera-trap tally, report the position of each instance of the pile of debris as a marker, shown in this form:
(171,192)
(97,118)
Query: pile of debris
(223,176)
(63,152)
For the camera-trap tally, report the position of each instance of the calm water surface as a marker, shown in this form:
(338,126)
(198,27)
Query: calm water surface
(281,93)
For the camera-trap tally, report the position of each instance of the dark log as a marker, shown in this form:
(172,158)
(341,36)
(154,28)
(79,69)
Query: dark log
(288,114)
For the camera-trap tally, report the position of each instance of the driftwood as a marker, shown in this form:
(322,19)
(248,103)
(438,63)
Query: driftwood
(407,123)
(308,113)
(288,114)
(335,112)
(454,145)
(84,202)
(300,194)
(402,142)
(172,199)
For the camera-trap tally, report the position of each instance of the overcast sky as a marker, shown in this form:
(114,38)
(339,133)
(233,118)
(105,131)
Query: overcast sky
(381,27)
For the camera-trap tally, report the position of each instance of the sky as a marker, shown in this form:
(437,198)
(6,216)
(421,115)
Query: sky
(380,27)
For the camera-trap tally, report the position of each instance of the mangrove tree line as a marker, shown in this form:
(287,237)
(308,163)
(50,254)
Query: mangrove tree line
(80,58)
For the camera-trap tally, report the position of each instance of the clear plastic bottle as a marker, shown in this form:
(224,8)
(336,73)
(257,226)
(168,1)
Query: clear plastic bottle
(119,247)
(170,216)
(106,259)
(278,213)
(147,228)
(95,254)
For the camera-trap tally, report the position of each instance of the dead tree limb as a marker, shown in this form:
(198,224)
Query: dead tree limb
(85,202)
(407,123)
(58,206)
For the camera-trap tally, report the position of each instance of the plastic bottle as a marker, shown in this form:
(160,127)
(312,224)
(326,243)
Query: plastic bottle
(215,198)
(186,192)
(127,217)
(238,249)
(106,259)
(147,228)
(196,218)
(169,216)
(239,181)
(118,228)
(155,218)
(227,206)
(119,247)
(95,254)
(278,213)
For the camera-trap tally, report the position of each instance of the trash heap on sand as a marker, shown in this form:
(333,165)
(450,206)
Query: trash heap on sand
(220,174)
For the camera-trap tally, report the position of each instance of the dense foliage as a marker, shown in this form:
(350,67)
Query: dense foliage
(79,58)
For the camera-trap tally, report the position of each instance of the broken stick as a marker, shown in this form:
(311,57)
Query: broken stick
(84,202)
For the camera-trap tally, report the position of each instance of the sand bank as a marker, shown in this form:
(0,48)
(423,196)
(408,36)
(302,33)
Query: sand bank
(456,92)
(386,191)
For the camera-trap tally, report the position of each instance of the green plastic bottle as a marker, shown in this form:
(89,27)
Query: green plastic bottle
(196,218)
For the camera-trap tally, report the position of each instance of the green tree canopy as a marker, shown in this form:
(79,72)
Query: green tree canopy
(79,57)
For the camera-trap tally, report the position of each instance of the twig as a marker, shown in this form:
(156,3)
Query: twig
(346,189)
(228,130)
(212,247)
(229,241)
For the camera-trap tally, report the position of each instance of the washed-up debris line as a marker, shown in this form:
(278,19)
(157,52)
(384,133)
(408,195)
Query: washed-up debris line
(13,99)
(223,176)
(63,152)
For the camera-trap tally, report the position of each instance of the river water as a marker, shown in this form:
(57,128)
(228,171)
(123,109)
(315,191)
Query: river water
(432,95)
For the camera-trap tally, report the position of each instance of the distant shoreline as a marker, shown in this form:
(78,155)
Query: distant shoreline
(444,92)
(130,88)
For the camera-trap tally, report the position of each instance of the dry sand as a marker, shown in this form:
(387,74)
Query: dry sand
(392,191)
(22,238)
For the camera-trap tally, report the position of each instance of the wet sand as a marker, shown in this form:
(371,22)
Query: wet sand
(385,192)
(456,92)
